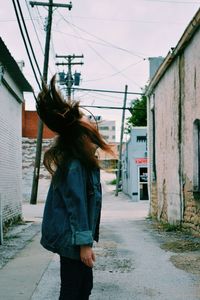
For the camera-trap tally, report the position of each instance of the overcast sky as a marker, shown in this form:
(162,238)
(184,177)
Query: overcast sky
(116,38)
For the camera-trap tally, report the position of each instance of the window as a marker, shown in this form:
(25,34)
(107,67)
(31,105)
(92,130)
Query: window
(113,127)
(196,171)
(141,138)
(104,128)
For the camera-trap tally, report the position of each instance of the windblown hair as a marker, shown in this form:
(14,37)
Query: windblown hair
(76,138)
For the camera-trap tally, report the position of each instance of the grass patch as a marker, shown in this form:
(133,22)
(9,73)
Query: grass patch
(113,182)
(166,227)
(7,238)
(181,246)
(12,222)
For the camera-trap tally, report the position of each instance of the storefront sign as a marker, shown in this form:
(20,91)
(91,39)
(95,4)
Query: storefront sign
(141,161)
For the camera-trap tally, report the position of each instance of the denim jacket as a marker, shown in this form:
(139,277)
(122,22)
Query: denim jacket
(72,211)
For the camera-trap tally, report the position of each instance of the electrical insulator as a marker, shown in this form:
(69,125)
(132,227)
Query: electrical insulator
(77,78)
(62,79)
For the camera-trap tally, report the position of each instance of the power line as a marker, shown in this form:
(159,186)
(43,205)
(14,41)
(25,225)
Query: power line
(108,62)
(101,94)
(27,5)
(29,40)
(96,42)
(108,91)
(25,44)
(14,20)
(40,18)
(116,73)
(110,44)
(112,107)
(128,20)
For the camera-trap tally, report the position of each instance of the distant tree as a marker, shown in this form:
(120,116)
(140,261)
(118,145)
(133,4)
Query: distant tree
(138,114)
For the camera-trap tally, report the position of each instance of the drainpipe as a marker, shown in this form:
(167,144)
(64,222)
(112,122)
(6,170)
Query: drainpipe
(181,66)
(1,222)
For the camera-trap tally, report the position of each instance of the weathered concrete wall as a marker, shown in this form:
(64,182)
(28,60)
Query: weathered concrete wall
(177,107)
(190,113)
(166,144)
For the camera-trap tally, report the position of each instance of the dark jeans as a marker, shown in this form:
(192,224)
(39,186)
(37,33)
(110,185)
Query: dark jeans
(76,279)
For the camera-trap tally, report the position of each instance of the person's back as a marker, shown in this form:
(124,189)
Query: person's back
(73,206)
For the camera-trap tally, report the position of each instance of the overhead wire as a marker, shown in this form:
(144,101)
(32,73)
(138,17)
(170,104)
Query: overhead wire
(105,60)
(31,18)
(116,73)
(27,35)
(104,41)
(25,44)
(128,20)
(52,46)
(112,66)
(92,41)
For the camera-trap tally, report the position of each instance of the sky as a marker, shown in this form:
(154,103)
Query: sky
(116,38)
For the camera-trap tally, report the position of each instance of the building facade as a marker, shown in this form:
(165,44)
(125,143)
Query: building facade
(134,165)
(108,130)
(12,86)
(174,133)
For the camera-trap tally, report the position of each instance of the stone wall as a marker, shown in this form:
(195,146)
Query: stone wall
(28,161)
(191,209)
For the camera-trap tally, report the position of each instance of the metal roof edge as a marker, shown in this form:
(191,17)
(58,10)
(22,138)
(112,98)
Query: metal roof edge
(13,69)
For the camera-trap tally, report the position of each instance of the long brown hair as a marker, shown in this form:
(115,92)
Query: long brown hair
(77,137)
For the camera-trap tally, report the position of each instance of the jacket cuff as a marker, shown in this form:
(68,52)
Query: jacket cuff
(82,238)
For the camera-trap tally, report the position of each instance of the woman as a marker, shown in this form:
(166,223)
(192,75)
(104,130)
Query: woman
(73,205)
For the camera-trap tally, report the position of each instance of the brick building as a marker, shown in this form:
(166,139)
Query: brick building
(12,86)
(30,124)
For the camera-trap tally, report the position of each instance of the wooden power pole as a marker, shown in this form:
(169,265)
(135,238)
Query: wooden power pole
(121,143)
(36,172)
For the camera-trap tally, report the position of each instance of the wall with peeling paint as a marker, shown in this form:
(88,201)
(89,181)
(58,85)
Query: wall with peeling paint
(175,100)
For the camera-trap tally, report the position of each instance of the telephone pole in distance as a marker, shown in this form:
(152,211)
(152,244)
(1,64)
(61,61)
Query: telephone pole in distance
(121,143)
(69,63)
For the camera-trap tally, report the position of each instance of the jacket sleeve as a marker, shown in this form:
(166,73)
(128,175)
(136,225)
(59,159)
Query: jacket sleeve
(75,197)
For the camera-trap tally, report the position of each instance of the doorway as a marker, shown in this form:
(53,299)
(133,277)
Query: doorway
(143,183)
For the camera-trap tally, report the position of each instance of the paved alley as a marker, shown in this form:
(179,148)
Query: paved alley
(130,264)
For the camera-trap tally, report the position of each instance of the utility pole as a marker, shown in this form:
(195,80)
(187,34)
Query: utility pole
(36,172)
(121,143)
(69,63)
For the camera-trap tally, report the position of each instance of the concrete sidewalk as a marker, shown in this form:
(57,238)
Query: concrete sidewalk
(21,275)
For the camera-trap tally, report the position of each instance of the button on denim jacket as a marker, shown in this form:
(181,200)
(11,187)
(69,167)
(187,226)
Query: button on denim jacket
(72,211)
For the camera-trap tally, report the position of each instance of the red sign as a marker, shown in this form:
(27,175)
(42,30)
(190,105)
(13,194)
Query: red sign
(141,161)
